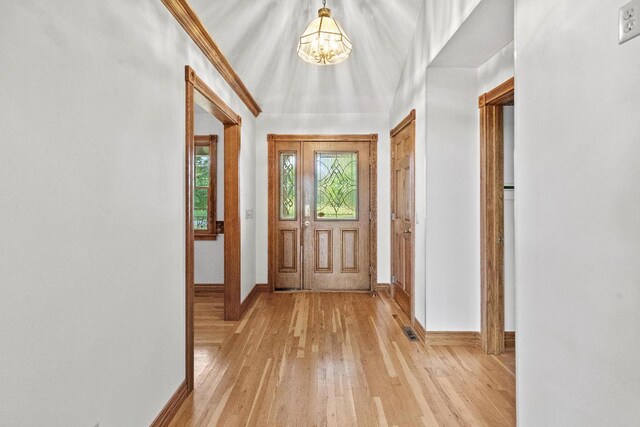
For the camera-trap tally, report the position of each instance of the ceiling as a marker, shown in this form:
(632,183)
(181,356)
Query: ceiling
(485,32)
(259,38)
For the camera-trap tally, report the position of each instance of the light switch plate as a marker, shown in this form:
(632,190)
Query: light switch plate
(629,21)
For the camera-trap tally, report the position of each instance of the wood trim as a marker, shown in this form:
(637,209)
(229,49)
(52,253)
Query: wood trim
(373,208)
(322,138)
(171,408)
(215,104)
(452,338)
(258,288)
(232,254)
(464,338)
(271,221)
(197,91)
(382,287)
(189,233)
(420,330)
(207,289)
(492,216)
(509,340)
(502,94)
(262,287)
(191,23)
(404,122)
(373,195)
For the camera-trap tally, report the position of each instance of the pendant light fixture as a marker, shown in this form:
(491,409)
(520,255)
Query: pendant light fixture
(324,41)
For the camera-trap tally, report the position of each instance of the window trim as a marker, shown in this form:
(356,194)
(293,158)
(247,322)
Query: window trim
(210,141)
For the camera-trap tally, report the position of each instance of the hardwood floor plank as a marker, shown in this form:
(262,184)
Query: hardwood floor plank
(306,359)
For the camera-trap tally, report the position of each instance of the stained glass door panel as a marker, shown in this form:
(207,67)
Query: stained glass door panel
(336,186)
(288,186)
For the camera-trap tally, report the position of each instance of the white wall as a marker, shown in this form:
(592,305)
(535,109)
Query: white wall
(248,203)
(92,210)
(209,254)
(437,22)
(323,124)
(497,70)
(453,200)
(508,112)
(509,223)
(577,222)
(453,194)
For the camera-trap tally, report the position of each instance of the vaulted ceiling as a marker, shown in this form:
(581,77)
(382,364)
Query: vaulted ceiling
(259,38)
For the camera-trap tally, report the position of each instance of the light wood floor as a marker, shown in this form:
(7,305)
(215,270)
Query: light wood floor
(315,359)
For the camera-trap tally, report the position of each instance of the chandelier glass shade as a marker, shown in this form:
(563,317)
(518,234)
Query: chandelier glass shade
(324,41)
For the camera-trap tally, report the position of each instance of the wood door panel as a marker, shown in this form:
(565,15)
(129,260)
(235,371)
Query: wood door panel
(403,215)
(349,250)
(323,249)
(407,258)
(288,244)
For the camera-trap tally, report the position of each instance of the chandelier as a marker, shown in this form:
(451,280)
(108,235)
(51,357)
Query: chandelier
(324,42)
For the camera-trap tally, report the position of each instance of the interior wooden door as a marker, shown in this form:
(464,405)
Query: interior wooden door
(288,174)
(336,215)
(403,212)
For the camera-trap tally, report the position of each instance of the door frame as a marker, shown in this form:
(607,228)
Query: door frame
(409,120)
(492,215)
(196,88)
(272,139)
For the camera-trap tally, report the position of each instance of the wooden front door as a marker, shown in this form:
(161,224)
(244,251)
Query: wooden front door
(403,212)
(320,233)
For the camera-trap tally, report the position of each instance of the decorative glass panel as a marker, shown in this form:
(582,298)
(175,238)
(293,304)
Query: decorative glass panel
(288,195)
(201,209)
(203,166)
(336,186)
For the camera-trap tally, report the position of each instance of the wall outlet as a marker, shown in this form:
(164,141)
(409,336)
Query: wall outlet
(629,21)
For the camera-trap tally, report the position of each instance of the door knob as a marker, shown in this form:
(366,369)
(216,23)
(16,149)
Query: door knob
(407,231)
(306,223)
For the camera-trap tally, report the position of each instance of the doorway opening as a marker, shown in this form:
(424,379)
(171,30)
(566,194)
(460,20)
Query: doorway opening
(403,139)
(496,205)
(198,214)
(322,212)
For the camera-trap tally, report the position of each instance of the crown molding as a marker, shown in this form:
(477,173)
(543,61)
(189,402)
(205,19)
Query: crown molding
(189,20)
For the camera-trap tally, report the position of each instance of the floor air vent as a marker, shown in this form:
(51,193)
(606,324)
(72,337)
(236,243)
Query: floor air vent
(408,331)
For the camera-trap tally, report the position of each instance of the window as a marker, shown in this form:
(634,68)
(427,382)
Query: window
(204,192)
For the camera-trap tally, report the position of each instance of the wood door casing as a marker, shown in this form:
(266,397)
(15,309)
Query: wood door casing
(403,212)
(350,269)
(492,215)
(336,251)
(197,91)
